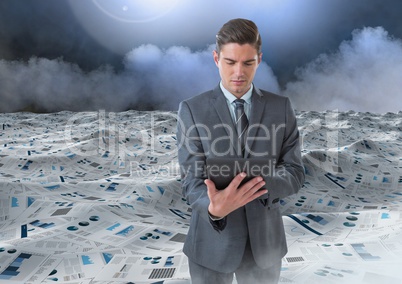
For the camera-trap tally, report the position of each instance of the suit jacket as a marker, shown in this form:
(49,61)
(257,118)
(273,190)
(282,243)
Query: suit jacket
(205,128)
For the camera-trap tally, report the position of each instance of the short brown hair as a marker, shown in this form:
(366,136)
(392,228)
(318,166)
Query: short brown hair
(241,31)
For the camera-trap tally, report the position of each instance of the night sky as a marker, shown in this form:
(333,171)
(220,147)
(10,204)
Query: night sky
(150,54)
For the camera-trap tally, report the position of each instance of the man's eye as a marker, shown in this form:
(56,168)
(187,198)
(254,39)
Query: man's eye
(230,63)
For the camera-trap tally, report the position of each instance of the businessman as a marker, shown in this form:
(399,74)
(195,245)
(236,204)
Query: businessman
(237,230)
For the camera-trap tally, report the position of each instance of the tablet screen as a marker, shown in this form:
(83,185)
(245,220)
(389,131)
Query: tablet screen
(222,170)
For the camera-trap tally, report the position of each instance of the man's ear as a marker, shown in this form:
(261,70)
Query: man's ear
(260,58)
(216,57)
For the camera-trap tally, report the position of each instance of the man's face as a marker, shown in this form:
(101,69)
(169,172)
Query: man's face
(237,66)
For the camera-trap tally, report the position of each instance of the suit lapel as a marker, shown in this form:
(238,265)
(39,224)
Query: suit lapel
(219,103)
(256,114)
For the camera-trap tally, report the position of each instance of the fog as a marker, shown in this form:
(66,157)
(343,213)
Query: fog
(362,75)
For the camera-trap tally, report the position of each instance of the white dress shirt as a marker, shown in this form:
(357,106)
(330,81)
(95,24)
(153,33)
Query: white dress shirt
(230,98)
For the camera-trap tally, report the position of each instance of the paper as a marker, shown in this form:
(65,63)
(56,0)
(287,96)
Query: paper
(95,197)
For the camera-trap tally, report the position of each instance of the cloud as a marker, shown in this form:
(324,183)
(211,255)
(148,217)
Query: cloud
(152,78)
(54,85)
(363,75)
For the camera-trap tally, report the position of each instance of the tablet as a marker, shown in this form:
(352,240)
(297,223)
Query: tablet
(222,170)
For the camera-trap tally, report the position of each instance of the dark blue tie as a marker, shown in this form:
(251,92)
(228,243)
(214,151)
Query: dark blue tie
(241,123)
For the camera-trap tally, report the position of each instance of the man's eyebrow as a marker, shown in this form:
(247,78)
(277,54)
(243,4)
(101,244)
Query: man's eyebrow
(250,60)
(231,60)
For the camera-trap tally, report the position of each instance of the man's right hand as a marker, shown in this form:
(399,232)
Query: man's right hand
(223,202)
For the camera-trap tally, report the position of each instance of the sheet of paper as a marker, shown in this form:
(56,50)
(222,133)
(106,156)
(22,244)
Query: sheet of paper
(95,197)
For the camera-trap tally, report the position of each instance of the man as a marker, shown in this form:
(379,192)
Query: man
(239,229)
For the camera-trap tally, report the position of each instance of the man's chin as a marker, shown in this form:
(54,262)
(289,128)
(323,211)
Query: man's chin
(239,90)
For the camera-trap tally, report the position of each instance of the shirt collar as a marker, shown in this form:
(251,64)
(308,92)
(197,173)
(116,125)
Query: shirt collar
(230,97)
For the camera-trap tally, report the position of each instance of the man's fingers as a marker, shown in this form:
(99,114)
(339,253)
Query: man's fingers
(210,185)
(237,180)
(253,189)
(255,182)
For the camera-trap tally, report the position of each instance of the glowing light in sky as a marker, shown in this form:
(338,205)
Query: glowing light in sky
(135,10)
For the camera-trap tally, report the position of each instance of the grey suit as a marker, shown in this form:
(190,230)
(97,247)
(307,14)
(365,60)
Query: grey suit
(206,129)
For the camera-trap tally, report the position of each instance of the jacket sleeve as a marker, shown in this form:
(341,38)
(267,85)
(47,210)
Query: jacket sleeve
(192,163)
(289,174)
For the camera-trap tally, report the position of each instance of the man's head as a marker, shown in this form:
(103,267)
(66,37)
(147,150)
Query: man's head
(238,54)
(241,31)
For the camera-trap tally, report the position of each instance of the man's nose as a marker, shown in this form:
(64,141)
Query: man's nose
(239,69)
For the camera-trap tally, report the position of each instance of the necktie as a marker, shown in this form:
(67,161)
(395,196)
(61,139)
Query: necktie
(241,123)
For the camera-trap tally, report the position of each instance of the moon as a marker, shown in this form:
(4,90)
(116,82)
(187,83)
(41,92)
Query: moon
(121,25)
(135,11)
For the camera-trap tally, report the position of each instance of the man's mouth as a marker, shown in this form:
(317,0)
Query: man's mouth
(238,82)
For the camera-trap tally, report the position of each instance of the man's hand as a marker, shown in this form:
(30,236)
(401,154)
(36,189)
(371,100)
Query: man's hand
(223,202)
